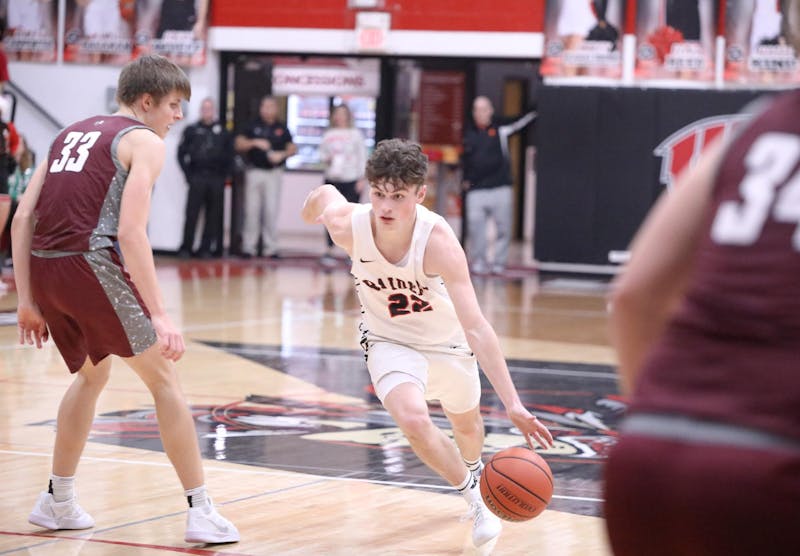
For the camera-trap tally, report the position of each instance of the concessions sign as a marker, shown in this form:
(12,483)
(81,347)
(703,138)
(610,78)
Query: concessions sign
(352,77)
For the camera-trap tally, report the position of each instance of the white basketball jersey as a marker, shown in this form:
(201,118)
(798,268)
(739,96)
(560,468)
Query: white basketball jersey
(399,303)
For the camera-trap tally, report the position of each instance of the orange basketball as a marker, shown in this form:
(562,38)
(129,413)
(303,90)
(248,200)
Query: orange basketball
(517,484)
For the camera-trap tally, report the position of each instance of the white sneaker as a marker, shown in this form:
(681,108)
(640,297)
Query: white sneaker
(485,525)
(205,525)
(54,515)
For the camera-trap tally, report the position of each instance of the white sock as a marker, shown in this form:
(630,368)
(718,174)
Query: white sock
(475,467)
(469,488)
(197,497)
(62,488)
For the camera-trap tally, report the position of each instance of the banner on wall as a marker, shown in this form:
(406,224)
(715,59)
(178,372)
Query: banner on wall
(31,29)
(175,29)
(757,51)
(583,38)
(675,39)
(99,31)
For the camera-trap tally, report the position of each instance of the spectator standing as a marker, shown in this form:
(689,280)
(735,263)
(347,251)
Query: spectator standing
(17,183)
(487,180)
(265,143)
(206,155)
(344,154)
(9,142)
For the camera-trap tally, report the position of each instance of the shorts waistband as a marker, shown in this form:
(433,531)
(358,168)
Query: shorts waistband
(54,254)
(687,429)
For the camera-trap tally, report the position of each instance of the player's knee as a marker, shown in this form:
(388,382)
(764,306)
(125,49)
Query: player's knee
(414,424)
(472,425)
(96,376)
(161,381)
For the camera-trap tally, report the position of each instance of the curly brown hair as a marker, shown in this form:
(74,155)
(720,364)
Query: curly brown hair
(397,164)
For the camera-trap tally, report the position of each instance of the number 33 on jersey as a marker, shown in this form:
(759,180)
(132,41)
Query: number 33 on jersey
(75,151)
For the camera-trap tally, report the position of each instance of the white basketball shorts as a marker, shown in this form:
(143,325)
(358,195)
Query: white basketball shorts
(450,378)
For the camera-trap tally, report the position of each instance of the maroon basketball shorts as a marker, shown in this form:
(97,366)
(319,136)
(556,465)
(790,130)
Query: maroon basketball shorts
(91,306)
(673,497)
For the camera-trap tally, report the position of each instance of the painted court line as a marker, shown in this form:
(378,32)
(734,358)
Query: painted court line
(317,478)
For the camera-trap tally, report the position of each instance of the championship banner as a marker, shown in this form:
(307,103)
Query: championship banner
(99,31)
(31,29)
(757,51)
(583,38)
(675,39)
(175,29)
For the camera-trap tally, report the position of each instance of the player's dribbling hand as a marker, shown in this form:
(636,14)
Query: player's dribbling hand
(170,340)
(31,325)
(530,427)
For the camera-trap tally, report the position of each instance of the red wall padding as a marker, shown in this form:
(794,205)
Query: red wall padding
(424,15)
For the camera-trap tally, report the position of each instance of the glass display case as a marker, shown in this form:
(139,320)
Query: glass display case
(307,118)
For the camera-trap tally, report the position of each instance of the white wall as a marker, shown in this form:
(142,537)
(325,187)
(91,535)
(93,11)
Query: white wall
(71,92)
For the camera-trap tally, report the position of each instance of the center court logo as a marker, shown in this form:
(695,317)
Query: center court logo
(682,149)
(351,435)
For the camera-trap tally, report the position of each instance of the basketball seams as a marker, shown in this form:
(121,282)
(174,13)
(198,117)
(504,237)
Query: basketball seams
(512,489)
(539,467)
(497,499)
(526,489)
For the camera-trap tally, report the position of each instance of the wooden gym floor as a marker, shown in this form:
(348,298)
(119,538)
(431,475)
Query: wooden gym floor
(298,452)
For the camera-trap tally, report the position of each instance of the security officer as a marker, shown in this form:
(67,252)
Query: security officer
(206,157)
(265,143)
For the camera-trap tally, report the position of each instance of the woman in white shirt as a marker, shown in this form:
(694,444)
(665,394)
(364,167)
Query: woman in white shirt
(344,154)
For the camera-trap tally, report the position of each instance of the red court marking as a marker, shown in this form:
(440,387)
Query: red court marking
(179,549)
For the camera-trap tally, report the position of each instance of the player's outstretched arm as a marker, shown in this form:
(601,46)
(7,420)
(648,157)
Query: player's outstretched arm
(327,206)
(445,257)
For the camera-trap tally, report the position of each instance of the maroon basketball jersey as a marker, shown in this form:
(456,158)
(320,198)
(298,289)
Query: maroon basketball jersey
(731,351)
(78,208)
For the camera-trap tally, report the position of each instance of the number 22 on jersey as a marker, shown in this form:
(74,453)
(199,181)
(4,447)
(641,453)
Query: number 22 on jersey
(75,151)
(769,162)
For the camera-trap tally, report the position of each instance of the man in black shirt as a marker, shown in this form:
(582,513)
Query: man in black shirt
(206,155)
(265,143)
(487,179)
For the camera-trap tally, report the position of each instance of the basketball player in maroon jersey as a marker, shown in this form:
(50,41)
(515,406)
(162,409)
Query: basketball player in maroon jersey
(94,189)
(706,323)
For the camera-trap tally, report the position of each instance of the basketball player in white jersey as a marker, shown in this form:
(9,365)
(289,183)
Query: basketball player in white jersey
(421,320)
